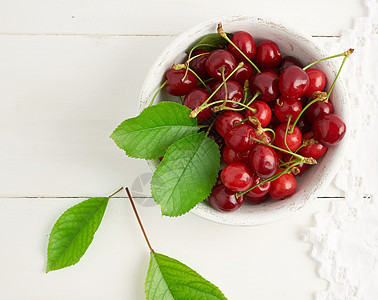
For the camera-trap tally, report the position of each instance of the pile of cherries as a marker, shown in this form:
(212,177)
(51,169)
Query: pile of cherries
(251,102)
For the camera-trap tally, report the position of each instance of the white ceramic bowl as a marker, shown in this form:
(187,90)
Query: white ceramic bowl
(291,42)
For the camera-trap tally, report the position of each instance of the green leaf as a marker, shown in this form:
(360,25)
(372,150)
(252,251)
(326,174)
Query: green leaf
(186,174)
(167,279)
(73,233)
(157,127)
(210,42)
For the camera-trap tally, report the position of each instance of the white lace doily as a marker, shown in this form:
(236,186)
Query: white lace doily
(345,239)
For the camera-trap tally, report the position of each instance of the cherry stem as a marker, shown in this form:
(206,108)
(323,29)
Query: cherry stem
(253,98)
(245,91)
(199,79)
(337,76)
(180,99)
(198,55)
(301,113)
(230,108)
(139,221)
(225,86)
(211,125)
(286,130)
(272,132)
(117,191)
(199,45)
(157,92)
(333,56)
(224,35)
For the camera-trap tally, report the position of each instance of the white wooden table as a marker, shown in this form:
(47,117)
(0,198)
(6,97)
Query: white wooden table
(70,71)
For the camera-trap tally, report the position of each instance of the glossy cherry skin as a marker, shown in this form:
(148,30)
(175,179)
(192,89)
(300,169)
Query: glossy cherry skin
(316,81)
(263,113)
(329,130)
(198,64)
(225,200)
(239,137)
(230,156)
(287,106)
(293,140)
(195,98)
(234,93)
(317,109)
(226,121)
(220,59)
(260,190)
(283,187)
(175,86)
(245,42)
(263,161)
(315,151)
(293,82)
(256,200)
(266,83)
(236,177)
(243,73)
(268,55)
(289,61)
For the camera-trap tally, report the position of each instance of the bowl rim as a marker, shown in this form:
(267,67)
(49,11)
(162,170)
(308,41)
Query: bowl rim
(204,210)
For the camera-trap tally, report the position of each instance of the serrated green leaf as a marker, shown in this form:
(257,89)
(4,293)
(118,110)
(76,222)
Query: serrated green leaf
(73,233)
(169,279)
(210,42)
(186,175)
(157,127)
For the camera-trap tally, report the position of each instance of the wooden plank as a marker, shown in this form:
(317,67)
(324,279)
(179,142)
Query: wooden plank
(61,97)
(243,261)
(167,17)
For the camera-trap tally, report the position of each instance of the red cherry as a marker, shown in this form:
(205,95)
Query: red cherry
(260,190)
(220,59)
(283,187)
(230,156)
(236,177)
(329,130)
(287,106)
(268,55)
(289,61)
(266,83)
(239,138)
(315,151)
(175,86)
(263,113)
(234,93)
(293,140)
(198,64)
(303,124)
(293,82)
(256,200)
(226,121)
(263,161)
(245,42)
(243,73)
(303,101)
(195,98)
(316,81)
(225,200)
(317,109)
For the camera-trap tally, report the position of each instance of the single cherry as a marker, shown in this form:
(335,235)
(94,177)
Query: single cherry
(236,177)
(234,93)
(243,73)
(263,113)
(317,109)
(225,200)
(220,60)
(263,161)
(195,98)
(289,61)
(245,42)
(293,140)
(329,130)
(175,86)
(260,190)
(266,83)
(315,151)
(293,82)
(268,55)
(239,137)
(226,121)
(283,187)
(316,81)
(287,106)
(230,156)
(198,64)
